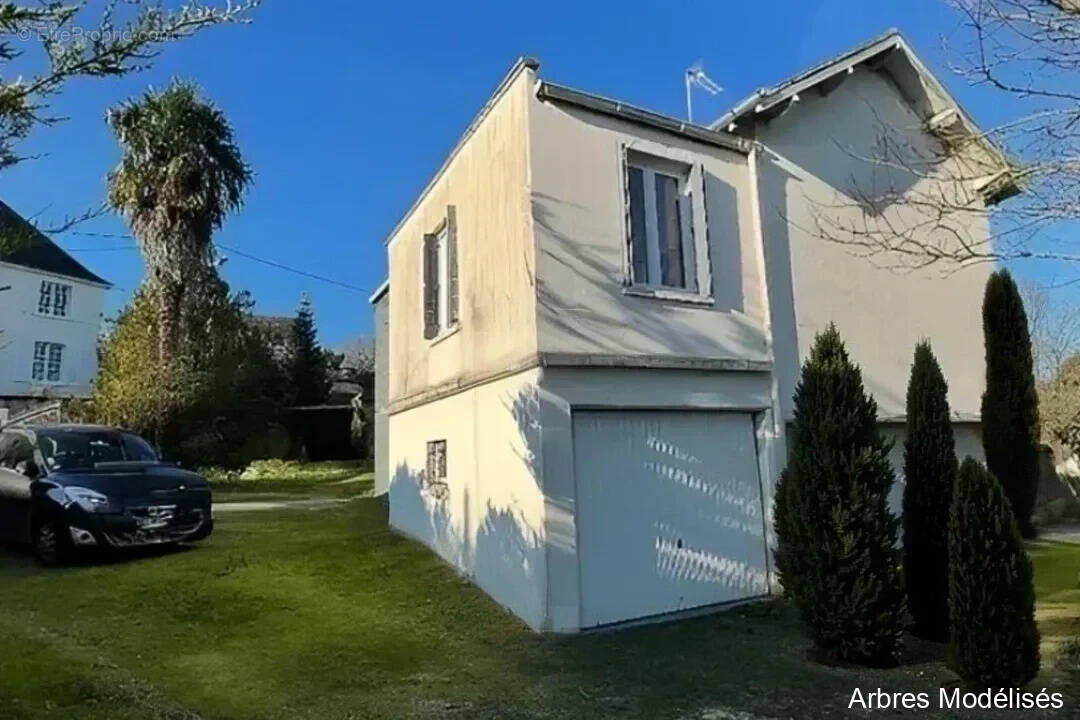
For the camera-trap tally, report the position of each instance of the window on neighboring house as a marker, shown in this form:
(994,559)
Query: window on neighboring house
(660,223)
(436,460)
(440,277)
(53,298)
(48,357)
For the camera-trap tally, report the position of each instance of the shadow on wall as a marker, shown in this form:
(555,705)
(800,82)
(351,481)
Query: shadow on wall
(487,522)
(669,505)
(773,191)
(584,307)
(726,517)
(420,509)
(777,186)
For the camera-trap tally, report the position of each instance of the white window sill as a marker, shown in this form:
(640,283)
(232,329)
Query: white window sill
(670,294)
(445,334)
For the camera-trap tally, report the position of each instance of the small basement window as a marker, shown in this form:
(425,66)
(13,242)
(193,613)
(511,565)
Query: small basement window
(660,223)
(436,460)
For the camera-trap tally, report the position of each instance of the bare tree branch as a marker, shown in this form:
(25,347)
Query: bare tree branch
(126,38)
(937,192)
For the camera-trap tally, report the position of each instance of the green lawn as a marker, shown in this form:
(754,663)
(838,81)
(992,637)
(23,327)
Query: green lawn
(327,615)
(1057,587)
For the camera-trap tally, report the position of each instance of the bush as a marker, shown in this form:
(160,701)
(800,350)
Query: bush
(836,552)
(223,388)
(1010,406)
(930,473)
(993,641)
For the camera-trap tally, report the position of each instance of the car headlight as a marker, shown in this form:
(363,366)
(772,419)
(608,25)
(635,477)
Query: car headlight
(89,500)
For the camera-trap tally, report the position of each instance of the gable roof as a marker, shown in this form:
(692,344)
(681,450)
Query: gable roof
(36,251)
(889,52)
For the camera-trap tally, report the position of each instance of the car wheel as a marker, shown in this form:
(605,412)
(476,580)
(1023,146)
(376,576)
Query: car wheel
(49,544)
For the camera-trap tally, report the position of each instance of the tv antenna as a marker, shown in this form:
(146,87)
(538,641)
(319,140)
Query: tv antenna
(695,75)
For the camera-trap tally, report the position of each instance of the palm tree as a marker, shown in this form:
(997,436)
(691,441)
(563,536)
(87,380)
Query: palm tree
(180,175)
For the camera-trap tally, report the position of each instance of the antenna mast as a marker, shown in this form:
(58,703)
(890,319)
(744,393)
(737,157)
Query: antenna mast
(695,75)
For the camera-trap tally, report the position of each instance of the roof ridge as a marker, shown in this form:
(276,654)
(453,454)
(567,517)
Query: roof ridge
(41,252)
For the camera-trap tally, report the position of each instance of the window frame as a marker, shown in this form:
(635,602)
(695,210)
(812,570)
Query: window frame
(435,462)
(54,298)
(45,360)
(689,175)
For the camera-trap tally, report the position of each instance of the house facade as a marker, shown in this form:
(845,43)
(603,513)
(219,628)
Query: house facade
(598,318)
(50,317)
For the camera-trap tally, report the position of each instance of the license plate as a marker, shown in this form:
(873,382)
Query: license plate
(157,516)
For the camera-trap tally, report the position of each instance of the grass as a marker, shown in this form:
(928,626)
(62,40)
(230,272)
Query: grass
(328,615)
(1057,587)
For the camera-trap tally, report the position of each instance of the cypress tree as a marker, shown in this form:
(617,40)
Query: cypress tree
(930,473)
(836,539)
(1010,410)
(310,373)
(993,640)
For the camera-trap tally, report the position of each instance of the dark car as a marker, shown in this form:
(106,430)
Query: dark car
(68,488)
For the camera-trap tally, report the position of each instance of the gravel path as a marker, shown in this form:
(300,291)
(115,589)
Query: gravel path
(305,504)
(1069,533)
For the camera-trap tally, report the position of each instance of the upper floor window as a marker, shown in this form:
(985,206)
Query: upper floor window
(48,358)
(660,223)
(53,298)
(440,277)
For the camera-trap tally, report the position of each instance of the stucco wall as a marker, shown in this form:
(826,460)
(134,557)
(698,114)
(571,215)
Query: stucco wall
(22,326)
(813,153)
(579,219)
(382,386)
(487,180)
(488,520)
(968,439)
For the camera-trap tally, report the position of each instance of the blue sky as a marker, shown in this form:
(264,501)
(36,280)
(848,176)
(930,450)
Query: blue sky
(345,112)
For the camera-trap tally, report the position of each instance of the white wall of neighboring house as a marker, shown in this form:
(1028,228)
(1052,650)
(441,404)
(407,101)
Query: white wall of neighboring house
(23,325)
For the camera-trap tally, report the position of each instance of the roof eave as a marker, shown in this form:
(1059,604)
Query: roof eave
(631,113)
(522,64)
(383,288)
(762,101)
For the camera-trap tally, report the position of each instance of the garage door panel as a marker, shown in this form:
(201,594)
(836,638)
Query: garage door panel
(669,512)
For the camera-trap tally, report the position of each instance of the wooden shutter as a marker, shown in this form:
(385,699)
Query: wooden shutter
(628,270)
(431,286)
(706,272)
(451,261)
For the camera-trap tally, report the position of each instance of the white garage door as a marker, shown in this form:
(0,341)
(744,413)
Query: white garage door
(669,512)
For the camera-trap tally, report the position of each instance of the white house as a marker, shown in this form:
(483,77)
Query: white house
(50,313)
(598,318)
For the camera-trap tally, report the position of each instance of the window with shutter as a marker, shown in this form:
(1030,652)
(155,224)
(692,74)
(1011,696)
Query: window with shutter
(440,276)
(660,223)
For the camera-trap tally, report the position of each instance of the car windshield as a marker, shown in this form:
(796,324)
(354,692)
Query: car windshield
(81,449)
